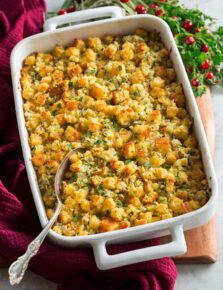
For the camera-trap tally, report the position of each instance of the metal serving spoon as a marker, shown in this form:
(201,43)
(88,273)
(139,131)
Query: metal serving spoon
(18,268)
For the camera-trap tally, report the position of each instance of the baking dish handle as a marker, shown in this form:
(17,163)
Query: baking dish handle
(105,261)
(79,16)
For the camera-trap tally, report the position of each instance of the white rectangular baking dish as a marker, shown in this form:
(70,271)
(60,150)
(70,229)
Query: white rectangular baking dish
(118,25)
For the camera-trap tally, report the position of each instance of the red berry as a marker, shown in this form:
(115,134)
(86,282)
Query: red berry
(153,6)
(190,69)
(62,11)
(197,30)
(190,40)
(209,75)
(140,9)
(124,1)
(72,8)
(195,82)
(204,48)
(187,25)
(174,17)
(162,0)
(205,65)
(159,12)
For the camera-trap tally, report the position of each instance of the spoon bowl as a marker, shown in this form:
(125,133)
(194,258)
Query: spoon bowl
(18,268)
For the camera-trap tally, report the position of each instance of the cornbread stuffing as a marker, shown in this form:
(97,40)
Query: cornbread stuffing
(117,97)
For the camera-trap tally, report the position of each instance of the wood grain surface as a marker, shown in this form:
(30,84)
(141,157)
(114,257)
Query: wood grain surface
(202,241)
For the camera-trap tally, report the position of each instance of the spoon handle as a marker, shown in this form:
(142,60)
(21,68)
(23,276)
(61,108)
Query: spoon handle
(18,268)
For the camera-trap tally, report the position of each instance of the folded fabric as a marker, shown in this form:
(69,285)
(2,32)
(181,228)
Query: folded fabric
(19,224)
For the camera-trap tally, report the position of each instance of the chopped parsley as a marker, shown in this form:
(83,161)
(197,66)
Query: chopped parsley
(70,85)
(91,71)
(77,218)
(135,94)
(88,134)
(77,98)
(100,190)
(100,141)
(70,145)
(167,166)
(127,161)
(74,177)
(115,125)
(148,164)
(54,112)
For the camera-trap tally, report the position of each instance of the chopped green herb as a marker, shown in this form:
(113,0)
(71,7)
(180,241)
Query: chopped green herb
(115,125)
(119,67)
(91,71)
(77,98)
(33,76)
(100,190)
(54,112)
(70,85)
(127,161)
(177,178)
(70,145)
(99,81)
(110,175)
(135,94)
(167,166)
(100,141)
(88,134)
(77,218)
(147,164)
(74,177)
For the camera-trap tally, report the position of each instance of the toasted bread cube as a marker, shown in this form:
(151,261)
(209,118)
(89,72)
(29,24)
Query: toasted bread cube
(176,205)
(163,144)
(98,91)
(76,166)
(71,105)
(108,225)
(172,111)
(157,161)
(72,134)
(108,204)
(117,214)
(110,51)
(39,159)
(65,217)
(157,82)
(110,182)
(160,173)
(129,150)
(94,222)
(127,54)
(90,55)
(30,60)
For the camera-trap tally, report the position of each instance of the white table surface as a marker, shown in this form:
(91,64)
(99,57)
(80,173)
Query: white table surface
(193,277)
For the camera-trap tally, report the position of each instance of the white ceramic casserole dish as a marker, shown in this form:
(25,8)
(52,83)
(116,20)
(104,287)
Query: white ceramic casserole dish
(46,41)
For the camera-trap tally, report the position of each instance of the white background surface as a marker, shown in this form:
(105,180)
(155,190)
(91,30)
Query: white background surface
(193,277)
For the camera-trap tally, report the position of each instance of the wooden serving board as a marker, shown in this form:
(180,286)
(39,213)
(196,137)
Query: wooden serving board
(202,241)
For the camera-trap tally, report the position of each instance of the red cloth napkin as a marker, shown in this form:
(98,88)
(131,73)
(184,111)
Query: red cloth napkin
(19,224)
